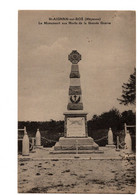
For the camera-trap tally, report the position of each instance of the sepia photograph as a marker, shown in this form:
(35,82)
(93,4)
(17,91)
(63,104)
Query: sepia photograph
(76,102)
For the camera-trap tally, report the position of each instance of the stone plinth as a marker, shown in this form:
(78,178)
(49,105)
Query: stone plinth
(75,124)
(75,132)
(70,144)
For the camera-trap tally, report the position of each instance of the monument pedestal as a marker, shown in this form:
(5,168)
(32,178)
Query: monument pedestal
(75,133)
(70,144)
(75,124)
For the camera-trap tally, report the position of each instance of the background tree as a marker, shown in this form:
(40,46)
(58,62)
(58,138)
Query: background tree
(99,125)
(129,91)
(112,118)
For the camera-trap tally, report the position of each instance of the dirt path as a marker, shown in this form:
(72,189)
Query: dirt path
(76,176)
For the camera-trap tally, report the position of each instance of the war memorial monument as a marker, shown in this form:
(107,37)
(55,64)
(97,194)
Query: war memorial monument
(60,149)
(75,122)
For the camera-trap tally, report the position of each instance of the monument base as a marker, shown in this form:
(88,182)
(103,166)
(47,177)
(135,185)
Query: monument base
(75,135)
(82,143)
(74,152)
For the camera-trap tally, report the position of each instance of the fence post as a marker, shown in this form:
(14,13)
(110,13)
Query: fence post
(110,137)
(25,144)
(38,138)
(76,156)
(125,128)
(33,142)
(128,143)
(117,147)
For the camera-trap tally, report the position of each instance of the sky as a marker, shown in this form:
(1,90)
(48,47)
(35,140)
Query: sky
(108,59)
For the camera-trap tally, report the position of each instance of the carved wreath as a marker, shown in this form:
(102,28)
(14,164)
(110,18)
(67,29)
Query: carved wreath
(76,100)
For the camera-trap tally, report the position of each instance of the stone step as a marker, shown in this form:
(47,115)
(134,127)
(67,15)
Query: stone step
(74,152)
(73,147)
(72,141)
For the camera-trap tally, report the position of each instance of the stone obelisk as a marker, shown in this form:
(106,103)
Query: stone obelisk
(75,123)
(75,94)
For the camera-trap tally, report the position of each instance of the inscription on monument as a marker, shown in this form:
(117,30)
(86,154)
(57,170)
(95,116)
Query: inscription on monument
(76,127)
